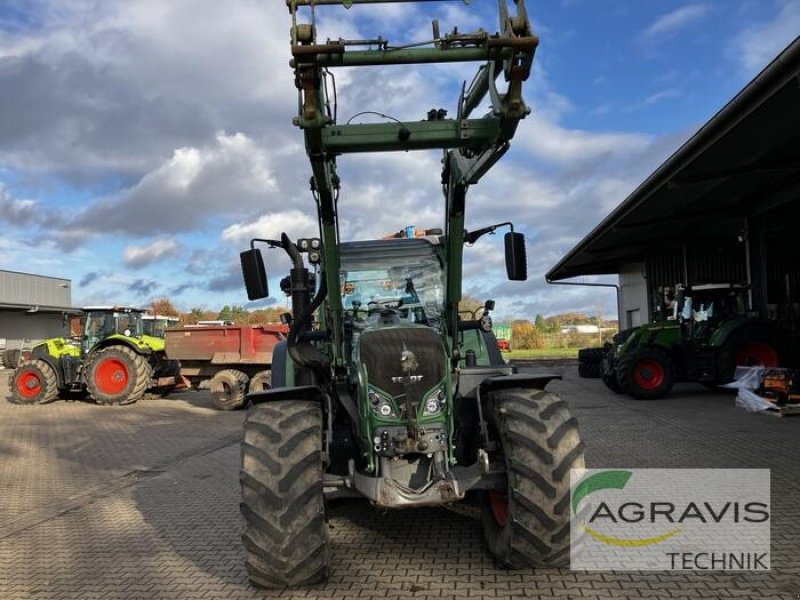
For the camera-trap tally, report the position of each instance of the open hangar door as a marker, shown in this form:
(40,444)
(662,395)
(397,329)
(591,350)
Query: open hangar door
(724,208)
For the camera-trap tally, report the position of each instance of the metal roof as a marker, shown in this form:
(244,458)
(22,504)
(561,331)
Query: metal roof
(743,163)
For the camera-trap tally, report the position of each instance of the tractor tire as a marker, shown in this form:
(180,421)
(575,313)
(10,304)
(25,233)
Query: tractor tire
(261,382)
(612,382)
(646,374)
(528,525)
(12,358)
(588,371)
(117,375)
(33,382)
(229,389)
(750,345)
(591,356)
(284,531)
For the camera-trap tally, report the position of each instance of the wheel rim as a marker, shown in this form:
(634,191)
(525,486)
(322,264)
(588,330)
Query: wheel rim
(649,374)
(111,376)
(499,505)
(757,353)
(227,392)
(29,384)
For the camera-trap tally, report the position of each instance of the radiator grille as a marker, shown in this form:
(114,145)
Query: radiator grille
(380,352)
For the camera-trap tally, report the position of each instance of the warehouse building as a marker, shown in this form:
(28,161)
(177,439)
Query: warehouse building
(724,208)
(31,308)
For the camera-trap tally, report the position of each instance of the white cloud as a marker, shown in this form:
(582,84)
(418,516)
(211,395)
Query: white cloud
(117,86)
(757,45)
(270,226)
(551,142)
(230,176)
(662,95)
(672,22)
(140,256)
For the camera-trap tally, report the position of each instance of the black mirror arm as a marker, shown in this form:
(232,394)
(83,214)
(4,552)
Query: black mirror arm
(270,243)
(473,236)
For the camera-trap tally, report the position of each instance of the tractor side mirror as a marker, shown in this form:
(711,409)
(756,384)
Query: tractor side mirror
(516,259)
(255,275)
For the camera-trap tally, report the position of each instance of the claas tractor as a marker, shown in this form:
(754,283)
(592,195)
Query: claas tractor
(110,359)
(380,390)
(702,334)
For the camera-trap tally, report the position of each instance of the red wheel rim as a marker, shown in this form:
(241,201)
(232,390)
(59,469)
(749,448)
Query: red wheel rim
(499,505)
(648,374)
(29,384)
(111,376)
(757,353)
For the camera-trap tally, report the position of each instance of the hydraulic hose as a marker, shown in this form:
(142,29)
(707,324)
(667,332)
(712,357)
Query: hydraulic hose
(303,322)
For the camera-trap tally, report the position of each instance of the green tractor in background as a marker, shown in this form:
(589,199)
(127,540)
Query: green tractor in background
(111,360)
(702,334)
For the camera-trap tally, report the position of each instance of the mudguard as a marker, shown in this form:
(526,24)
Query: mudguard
(303,392)
(536,381)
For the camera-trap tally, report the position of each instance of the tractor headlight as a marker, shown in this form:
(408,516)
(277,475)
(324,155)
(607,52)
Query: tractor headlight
(381,404)
(385,409)
(435,401)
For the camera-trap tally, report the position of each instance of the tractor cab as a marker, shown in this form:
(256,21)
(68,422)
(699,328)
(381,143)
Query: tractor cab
(102,322)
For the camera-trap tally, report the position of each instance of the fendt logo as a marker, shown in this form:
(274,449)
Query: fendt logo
(671,518)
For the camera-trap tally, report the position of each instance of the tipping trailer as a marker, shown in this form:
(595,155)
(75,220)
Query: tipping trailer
(235,359)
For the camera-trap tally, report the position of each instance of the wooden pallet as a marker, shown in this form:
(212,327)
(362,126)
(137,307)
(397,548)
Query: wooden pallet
(782,411)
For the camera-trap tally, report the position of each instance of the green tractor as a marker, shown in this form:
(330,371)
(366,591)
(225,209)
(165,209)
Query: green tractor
(111,359)
(705,332)
(381,391)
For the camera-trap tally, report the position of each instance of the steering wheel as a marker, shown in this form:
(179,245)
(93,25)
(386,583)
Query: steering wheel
(390,306)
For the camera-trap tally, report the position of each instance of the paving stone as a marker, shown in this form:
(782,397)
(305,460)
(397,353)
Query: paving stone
(142,502)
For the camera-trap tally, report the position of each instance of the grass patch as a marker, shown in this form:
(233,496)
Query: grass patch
(542,353)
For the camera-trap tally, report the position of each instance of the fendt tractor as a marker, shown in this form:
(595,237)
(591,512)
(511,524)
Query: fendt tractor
(380,390)
(111,360)
(700,333)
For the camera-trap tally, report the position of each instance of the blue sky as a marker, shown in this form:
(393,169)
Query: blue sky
(143,142)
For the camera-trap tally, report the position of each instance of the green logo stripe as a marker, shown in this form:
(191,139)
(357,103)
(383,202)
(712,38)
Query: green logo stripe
(599,481)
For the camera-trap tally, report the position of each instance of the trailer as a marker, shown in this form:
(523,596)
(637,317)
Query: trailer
(232,359)
(503,333)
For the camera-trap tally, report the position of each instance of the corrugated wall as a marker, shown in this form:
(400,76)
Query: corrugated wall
(33,290)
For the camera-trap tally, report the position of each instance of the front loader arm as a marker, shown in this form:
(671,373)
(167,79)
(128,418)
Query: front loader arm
(471,145)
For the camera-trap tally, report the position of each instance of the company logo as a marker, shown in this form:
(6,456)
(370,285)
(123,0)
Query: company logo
(630,512)
(639,518)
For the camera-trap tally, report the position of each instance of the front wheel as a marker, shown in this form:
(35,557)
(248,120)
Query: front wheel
(647,373)
(527,524)
(284,531)
(33,382)
(261,382)
(229,389)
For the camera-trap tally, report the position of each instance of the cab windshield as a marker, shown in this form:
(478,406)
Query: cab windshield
(412,282)
(100,325)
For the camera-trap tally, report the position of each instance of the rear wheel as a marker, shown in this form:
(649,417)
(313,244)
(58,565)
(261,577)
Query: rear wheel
(229,389)
(647,373)
(750,346)
(284,531)
(117,375)
(528,523)
(261,382)
(33,382)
